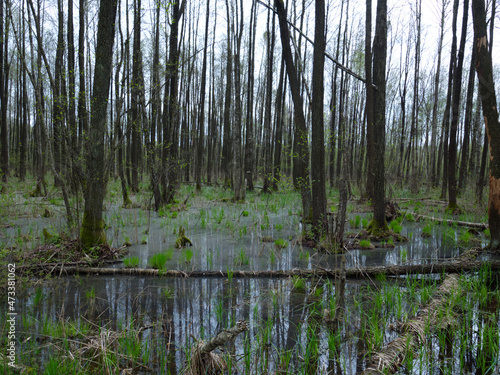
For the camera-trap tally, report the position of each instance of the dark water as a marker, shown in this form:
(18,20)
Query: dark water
(282,319)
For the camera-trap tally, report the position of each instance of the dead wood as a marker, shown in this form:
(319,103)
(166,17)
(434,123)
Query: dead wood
(204,361)
(390,358)
(451,222)
(451,266)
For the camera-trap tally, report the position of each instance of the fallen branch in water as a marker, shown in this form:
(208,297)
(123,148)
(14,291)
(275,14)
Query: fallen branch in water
(389,359)
(203,361)
(452,266)
(451,222)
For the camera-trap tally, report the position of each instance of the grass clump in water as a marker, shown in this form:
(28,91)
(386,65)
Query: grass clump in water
(158,261)
(280,243)
(365,244)
(131,262)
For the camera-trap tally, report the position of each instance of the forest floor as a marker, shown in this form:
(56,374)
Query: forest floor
(250,263)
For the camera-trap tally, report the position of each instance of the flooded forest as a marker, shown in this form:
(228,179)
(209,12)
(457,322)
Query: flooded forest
(249,187)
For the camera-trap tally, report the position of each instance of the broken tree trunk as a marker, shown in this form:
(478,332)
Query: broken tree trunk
(203,361)
(451,222)
(451,266)
(390,358)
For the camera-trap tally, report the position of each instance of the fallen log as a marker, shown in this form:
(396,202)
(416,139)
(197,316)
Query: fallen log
(389,359)
(451,222)
(452,266)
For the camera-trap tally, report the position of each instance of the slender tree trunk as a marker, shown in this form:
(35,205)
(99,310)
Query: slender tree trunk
(369,101)
(137,91)
(318,180)
(3,101)
(268,102)
(73,130)
(434,174)
(82,101)
(457,88)
(379,70)
(490,112)
(462,180)
(92,230)
(173,103)
(201,113)
(239,182)
(23,146)
(333,106)
(414,185)
(446,116)
(226,146)
(249,140)
(302,151)
(278,139)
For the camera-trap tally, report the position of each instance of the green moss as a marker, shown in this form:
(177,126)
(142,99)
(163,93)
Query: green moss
(127,203)
(375,228)
(92,232)
(182,240)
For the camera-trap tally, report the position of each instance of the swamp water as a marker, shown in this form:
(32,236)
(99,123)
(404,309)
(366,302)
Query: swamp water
(103,324)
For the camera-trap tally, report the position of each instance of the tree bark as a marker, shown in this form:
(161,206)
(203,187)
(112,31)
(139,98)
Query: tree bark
(378,222)
(201,113)
(3,101)
(457,89)
(92,230)
(434,174)
(453,266)
(82,101)
(137,91)
(171,136)
(484,71)
(226,142)
(249,140)
(239,182)
(301,153)
(464,162)
(318,181)
(446,116)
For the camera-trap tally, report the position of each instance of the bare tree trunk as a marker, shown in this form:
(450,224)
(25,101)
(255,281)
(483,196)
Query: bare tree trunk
(3,100)
(268,102)
(279,128)
(137,91)
(201,113)
(446,116)
(172,136)
(226,146)
(92,230)
(434,174)
(462,180)
(488,97)
(457,88)
(249,140)
(82,101)
(239,185)
(318,181)
(302,150)
(378,222)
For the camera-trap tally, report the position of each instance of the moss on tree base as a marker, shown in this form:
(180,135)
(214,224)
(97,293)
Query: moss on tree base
(92,232)
(453,209)
(374,228)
